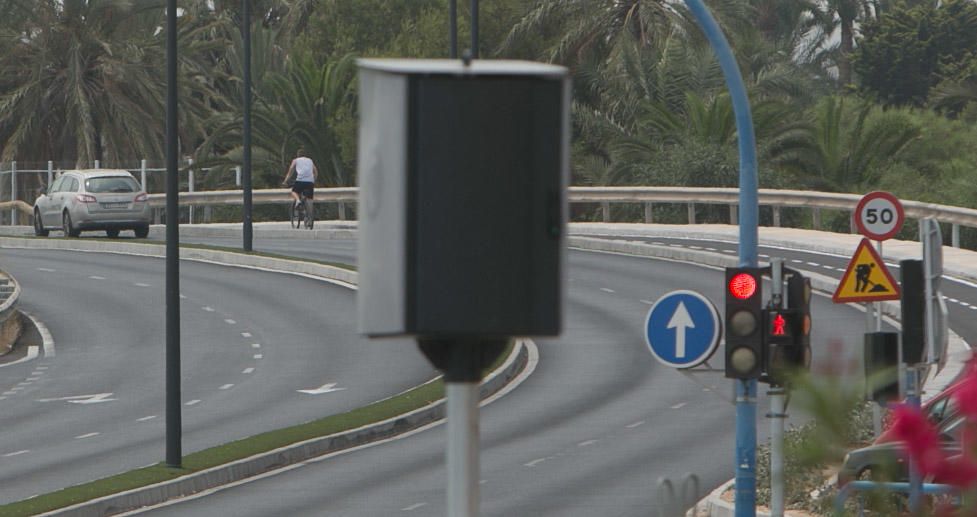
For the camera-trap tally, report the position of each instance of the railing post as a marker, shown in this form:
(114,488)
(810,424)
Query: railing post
(605,209)
(13,192)
(98,164)
(237,175)
(851,223)
(342,210)
(691,212)
(776,217)
(50,172)
(955,235)
(816,218)
(142,175)
(190,183)
(734,214)
(649,215)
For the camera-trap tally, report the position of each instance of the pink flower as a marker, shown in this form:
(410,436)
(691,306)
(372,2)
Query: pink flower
(921,438)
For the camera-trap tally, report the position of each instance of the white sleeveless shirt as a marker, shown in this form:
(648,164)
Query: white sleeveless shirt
(303,169)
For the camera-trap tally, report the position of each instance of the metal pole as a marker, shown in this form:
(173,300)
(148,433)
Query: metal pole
(453,29)
(190,186)
(142,174)
(174,424)
(915,480)
(246,232)
(50,172)
(474,29)
(13,192)
(878,305)
(462,406)
(777,416)
(748,235)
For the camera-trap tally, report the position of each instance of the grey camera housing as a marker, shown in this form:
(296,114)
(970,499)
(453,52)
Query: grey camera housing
(462,205)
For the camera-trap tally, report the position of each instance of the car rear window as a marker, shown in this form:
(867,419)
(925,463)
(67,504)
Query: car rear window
(111,184)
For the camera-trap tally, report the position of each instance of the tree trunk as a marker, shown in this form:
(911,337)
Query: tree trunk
(844,57)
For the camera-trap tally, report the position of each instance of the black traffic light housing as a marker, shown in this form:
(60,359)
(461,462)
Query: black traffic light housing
(787,330)
(745,350)
(913,308)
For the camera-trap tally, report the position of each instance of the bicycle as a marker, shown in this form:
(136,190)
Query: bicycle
(303,214)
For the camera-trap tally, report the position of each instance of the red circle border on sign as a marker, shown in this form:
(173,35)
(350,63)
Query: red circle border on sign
(900,215)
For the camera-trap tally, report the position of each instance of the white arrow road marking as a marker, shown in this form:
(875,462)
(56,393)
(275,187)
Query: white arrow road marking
(325,388)
(82,399)
(680,321)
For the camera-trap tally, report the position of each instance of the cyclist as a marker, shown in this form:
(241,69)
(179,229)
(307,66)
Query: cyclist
(305,176)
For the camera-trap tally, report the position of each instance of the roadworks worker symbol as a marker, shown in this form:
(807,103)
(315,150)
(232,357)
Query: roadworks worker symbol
(866,279)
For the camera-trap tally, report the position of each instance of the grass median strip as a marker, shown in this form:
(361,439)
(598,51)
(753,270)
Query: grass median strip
(378,411)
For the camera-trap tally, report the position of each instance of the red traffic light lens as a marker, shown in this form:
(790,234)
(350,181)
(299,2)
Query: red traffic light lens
(742,286)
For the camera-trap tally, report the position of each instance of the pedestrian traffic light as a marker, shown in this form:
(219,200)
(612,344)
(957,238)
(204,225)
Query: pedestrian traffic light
(787,331)
(744,317)
(913,310)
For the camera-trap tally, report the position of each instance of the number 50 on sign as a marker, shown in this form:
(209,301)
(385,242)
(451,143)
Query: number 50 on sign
(879,215)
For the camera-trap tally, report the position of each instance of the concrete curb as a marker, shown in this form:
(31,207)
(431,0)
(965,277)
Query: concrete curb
(289,455)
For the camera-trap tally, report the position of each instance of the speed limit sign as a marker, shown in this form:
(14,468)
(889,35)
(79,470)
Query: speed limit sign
(879,215)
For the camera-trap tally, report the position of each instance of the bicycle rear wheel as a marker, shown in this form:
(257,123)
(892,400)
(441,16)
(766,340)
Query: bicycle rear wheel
(309,213)
(294,214)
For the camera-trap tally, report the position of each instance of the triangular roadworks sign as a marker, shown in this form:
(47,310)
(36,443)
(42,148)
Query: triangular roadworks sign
(866,279)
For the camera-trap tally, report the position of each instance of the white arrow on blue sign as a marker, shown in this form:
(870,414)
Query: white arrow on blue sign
(682,329)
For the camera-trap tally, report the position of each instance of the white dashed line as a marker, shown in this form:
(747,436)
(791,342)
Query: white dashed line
(208,309)
(193,402)
(763,255)
(413,507)
(647,302)
(230,322)
(815,264)
(46,270)
(535,462)
(606,290)
(140,284)
(32,379)
(247,370)
(227,386)
(245,334)
(8,393)
(696,247)
(636,424)
(95,277)
(730,252)
(183,297)
(973,307)
(41,368)
(964,304)
(795,261)
(258,356)
(586,443)
(146,418)
(680,405)
(89,435)
(18,453)
(255,345)
(954,300)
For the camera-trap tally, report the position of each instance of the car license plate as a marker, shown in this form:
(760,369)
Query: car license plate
(115,205)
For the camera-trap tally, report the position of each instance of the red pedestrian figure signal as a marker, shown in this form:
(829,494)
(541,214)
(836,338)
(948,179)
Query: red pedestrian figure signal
(779,324)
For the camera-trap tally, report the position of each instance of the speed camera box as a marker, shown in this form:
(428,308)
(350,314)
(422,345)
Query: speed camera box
(462,207)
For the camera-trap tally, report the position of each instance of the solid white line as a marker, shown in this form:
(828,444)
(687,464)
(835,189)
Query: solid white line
(18,453)
(89,435)
(247,370)
(146,418)
(606,290)
(586,443)
(230,322)
(47,340)
(413,507)
(227,386)
(636,424)
(258,356)
(94,277)
(32,353)
(245,334)
(193,402)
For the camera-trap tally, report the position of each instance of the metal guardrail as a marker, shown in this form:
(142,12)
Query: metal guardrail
(902,487)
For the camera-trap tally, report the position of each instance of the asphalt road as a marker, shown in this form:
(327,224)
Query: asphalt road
(250,340)
(589,433)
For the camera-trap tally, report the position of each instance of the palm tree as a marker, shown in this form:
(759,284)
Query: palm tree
(85,81)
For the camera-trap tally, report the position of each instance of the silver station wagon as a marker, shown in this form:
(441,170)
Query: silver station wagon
(101,199)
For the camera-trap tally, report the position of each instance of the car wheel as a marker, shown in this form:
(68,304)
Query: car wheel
(39,225)
(142,231)
(69,230)
(112,233)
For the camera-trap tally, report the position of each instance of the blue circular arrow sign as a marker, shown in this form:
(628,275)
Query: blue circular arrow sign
(682,329)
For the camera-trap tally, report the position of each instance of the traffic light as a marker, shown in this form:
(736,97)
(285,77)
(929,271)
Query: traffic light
(744,317)
(787,331)
(913,308)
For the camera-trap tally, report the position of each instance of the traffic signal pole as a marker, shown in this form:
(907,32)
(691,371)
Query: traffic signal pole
(746,390)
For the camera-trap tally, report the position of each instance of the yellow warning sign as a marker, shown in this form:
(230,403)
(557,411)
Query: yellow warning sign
(866,279)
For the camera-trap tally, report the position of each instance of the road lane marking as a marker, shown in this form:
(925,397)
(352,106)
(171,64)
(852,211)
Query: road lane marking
(245,334)
(193,402)
(146,418)
(259,356)
(536,462)
(89,435)
(636,424)
(255,345)
(230,322)
(680,405)
(247,370)
(815,264)
(140,284)
(325,388)
(18,453)
(208,309)
(586,443)
(647,302)
(82,399)
(227,386)
(46,270)
(606,290)
(413,507)
(96,277)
